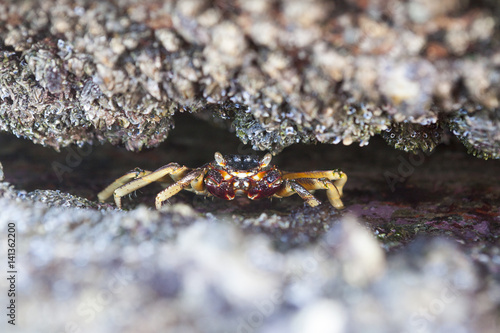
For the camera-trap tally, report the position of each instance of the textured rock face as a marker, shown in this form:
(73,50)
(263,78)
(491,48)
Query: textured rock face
(283,71)
(415,250)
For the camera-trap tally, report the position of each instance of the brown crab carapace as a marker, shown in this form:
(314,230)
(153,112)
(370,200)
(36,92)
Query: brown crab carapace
(229,176)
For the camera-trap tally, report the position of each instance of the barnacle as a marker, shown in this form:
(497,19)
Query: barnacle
(117,72)
(44,99)
(479,131)
(353,123)
(273,138)
(412,137)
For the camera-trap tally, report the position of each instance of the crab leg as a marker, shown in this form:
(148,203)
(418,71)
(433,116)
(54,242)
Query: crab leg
(193,179)
(291,187)
(172,169)
(332,191)
(331,181)
(337,177)
(108,191)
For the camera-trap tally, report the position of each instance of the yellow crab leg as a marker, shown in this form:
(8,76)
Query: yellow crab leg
(173,169)
(108,191)
(332,191)
(291,187)
(194,178)
(337,177)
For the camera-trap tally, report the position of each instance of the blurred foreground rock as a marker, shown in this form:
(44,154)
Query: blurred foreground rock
(91,270)
(280,72)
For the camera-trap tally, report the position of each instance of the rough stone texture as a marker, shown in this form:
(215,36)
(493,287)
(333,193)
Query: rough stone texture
(415,250)
(478,132)
(283,71)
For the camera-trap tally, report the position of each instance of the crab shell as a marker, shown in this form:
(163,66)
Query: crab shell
(242,175)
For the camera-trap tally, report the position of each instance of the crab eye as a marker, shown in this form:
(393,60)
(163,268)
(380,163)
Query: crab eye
(266,160)
(219,159)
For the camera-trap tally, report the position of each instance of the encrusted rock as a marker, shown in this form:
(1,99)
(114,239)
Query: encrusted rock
(86,72)
(479,131)
(413,137)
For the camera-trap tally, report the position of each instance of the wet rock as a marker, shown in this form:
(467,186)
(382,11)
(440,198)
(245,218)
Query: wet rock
(413,137)
(76,73)
(479,132)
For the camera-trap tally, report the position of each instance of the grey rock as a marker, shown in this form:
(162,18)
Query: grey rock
(118,72)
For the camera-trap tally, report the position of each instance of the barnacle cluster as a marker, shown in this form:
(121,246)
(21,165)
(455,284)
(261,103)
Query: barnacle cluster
(57,88)
(273,138)
(412,137)
(351,123)
(479,131)
(37,99)
(85,72)
(48,97)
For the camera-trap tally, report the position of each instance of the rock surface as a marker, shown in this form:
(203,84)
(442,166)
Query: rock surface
(282,72)
(417,248)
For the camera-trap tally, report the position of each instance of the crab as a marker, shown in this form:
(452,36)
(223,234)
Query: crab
(229,176)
